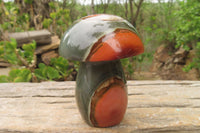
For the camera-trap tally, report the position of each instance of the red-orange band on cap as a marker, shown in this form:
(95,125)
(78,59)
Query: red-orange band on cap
(117,45)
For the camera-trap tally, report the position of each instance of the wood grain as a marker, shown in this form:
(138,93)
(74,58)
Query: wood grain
(40,36)
(154,106)
(52,46)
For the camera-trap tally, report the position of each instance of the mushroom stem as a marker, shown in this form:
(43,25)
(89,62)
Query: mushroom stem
(101,93)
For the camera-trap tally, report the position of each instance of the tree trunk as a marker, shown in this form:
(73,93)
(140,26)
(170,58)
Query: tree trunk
(138,10)
(64,4)
(92,7)
(38,10)
(106,6)
(126,9)
(134,17)
(131,11)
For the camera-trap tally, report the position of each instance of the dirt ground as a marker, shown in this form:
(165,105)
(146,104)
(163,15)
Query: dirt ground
(145,75)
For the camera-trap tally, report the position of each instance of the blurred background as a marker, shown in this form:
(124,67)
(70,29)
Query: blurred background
(30,33)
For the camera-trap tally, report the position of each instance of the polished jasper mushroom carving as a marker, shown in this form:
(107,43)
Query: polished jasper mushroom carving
(99,42)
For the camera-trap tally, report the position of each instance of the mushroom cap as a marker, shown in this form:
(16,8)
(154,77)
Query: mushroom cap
(100,37)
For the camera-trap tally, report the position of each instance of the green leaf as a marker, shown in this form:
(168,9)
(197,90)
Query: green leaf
(42,66)
(25,75)
(53,15)
(13,43)
(140,58)
(52,73)
(4,79)
(41,72)
(39,75)
(28,1)
(198,45)
(186,47)
(13,74)
(52,5)
(60,22)
(130,69)
(46,72)
(20,75)
(1,51)
(61,65)
(27,47)
(18,79)
(189,67)
(33,45)
(47,22)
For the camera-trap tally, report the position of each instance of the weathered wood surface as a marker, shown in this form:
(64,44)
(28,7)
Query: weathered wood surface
(154,106)
(40,36)
(3,63)
(54,45)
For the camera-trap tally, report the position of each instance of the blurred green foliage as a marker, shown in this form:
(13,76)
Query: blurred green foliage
(187,32)
(10,53)
(174,23)
(13,21)
(7,51)
(46,72)
(17,75)
(58,69)
(62,66)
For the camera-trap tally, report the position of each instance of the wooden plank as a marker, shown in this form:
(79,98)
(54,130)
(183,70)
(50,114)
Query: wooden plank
(40,36)
(54,45)
(4,63)
(46,57)
(154,106)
